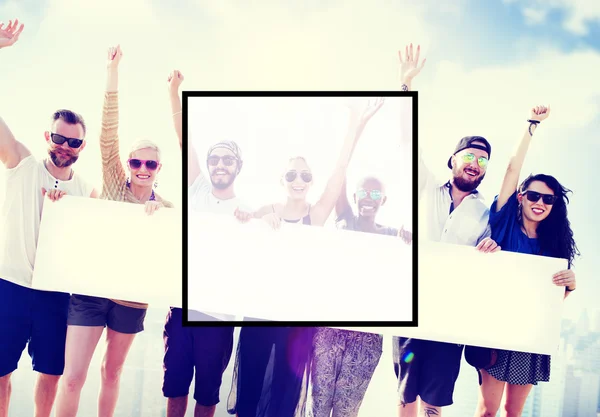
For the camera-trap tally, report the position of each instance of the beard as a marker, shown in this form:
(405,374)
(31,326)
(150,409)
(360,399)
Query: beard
(62,160)
(221,184)
(466,185)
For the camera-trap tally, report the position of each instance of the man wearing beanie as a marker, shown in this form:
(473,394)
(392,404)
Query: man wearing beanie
(453,212)
(205,350)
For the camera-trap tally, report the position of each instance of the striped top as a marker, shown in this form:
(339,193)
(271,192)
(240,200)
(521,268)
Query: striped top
(114,177)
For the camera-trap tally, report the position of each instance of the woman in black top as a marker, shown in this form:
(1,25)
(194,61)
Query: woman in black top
(272,363)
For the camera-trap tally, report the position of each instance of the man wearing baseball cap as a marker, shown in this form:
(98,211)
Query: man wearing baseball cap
(452,212)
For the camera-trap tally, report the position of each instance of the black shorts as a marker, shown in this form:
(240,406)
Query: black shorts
(96,311)
(207,349)
(427,370)
(34,319)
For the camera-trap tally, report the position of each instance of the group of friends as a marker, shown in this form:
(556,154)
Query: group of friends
(278,371)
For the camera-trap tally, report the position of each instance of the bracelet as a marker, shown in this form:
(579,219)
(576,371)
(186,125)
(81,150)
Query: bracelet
(532,122)
(176,113)
(568,290)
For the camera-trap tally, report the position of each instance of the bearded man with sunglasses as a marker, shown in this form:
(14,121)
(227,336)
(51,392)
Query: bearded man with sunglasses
(205,350)
(29,317)
(453,212)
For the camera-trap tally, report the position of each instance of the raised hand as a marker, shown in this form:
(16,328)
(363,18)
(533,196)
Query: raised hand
(364,110)
(175,79)
(540,113)
(114,57)
(409,66)
(371,108)
(9,35)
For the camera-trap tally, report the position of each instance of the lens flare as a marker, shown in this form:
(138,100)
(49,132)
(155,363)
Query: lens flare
(408,357)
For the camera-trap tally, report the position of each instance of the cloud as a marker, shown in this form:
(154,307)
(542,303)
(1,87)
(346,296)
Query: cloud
(534,16)
(578,14)
(495,101)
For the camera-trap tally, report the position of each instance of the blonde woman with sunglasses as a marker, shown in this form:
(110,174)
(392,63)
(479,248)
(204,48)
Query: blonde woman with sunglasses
(255,391)
(89,315)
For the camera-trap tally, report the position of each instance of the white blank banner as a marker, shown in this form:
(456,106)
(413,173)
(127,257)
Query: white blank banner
(108,249)
(501,300)
(297,272)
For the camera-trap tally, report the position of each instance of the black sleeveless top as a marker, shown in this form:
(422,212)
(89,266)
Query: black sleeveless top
(305,219)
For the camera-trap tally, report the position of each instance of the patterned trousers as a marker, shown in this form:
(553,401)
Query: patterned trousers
(342,366)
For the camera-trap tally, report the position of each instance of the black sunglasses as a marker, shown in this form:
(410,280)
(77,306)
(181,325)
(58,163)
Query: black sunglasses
(151,165)
(534,197)
(59,140)
(292,175)
(228,161)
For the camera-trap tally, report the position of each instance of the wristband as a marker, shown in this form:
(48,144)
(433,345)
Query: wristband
(404,87)
(568,290)
(532,122)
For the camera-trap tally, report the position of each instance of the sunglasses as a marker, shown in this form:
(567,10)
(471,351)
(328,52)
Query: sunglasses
(469,157)
(228,161)
(374,194)
(290,176)
(59,140)
(534,197)
(151,165)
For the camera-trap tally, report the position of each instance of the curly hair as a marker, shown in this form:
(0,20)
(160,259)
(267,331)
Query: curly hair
(554,232)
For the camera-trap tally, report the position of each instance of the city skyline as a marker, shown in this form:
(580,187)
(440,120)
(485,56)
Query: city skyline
(573,390)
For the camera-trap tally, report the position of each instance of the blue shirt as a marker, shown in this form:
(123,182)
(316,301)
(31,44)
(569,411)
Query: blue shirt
(506,229)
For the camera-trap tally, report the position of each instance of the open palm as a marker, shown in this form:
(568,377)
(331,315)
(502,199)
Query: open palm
(362,110)
(371,108)
(9,35)
(409,66)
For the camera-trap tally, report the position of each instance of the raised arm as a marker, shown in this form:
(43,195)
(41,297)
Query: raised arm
(358,120)
(408,69)
(11,150)
(174,82)
(342,205)
(513,171)
(113,173)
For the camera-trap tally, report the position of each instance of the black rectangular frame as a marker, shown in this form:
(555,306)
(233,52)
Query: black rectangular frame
(269,323)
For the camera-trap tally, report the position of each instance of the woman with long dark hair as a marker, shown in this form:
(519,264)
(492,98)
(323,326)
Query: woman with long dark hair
(530,219)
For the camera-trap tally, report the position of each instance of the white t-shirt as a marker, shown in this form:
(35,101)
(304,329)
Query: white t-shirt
(466,225)
(21,214)
(201,198)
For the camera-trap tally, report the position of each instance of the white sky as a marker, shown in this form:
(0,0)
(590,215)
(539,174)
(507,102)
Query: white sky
(270,130)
